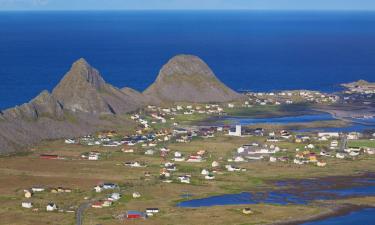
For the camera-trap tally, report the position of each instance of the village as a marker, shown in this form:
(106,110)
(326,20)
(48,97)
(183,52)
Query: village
(154,152)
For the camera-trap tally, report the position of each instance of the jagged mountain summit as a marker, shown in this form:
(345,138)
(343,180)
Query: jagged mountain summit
(187,78)
(76,104)
(74,108)
(84,90)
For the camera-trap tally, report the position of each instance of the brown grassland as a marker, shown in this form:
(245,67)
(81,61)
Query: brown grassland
(21,172)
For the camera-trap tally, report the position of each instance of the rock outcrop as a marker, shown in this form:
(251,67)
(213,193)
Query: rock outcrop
(44,105)
(73,109)
(84,90)
(186,78)
(77,104)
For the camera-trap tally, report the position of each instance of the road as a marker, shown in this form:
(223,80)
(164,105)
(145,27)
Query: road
(343,143)
(80,211)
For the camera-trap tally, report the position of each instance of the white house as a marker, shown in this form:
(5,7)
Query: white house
(329,134)
(215,164)
(136,195)
(184,179)
(236,132)
(114,197)
(70,141)
(51,207)
(98,189)
(205,172)
(27,205)
(93,157)
(37,189)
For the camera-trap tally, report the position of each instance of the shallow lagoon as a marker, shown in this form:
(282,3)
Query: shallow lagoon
(357,125)
(300,192)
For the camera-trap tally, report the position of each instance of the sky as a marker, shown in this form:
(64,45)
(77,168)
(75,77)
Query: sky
(187,4)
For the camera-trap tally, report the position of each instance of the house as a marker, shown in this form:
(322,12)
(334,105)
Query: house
(329,134)
(48,156)
(195,158)
(247,211)
(27,205)
(353,136)
(149,152)
(152,211)
(136,195)
(184,179)
(237,131)
(62,190)
(70,141)
(231,168)
(51,207)
(114,197)
(215,164)
(370,151)
(313,158)
(170,166)
(310,146)
(106,203)
(28,193)
(131,214)
(205,172)
(98,189)
(340,155)
(321,164)
(178,157)
(273,159)
(109,186)
(37,189)
(97,205)
(93,157)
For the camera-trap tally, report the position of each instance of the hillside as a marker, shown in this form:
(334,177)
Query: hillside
(186,78)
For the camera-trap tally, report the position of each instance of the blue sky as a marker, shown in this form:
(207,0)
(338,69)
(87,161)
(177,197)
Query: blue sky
(187,4)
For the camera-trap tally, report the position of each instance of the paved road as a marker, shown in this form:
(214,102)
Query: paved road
(343,143)
(80,211)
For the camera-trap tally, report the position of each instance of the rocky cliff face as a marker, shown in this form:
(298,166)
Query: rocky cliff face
(44,105)
(76,104)
(73,109)
(186,78)
(84,90)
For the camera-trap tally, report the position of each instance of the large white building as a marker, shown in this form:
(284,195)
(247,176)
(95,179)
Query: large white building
(236,132)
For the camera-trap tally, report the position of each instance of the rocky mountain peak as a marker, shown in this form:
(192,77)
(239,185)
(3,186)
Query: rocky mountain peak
(82,72)
(187,78)
(186,65)
(83,89)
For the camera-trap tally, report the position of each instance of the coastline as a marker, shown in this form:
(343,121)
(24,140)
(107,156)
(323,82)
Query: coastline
(340,210)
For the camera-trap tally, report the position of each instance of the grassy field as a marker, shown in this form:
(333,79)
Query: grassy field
(362,143)
(24,171)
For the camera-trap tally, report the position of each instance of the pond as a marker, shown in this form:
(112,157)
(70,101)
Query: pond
(280,120)
(299,192)
(357,125)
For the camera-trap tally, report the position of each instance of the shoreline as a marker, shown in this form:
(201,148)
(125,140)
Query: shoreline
(340,210)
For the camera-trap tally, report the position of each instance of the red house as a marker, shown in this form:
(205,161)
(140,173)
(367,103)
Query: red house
(135,215)
(46,156)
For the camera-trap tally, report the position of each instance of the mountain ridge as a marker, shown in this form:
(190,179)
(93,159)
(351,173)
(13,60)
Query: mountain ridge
(77,103)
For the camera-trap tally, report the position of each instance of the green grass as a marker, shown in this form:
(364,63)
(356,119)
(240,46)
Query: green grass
(362,143)
(269,110)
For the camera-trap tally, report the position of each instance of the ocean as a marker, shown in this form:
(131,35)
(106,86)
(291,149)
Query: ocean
(248,50)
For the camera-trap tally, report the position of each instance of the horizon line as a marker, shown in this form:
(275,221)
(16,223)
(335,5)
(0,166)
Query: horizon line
(191,10)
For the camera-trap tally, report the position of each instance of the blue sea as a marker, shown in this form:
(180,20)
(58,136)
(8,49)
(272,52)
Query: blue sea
(256,50)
